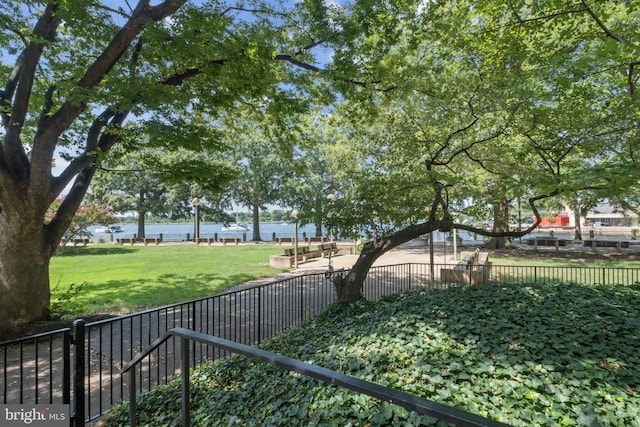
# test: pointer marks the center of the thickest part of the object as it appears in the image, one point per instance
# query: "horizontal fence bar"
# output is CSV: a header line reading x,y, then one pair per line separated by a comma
x,y
396,397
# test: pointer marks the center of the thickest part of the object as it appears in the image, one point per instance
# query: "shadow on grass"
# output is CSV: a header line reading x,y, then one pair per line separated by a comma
x,y
166,289
97,250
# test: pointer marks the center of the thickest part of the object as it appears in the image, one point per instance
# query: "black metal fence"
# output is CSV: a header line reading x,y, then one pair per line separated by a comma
x,y
81,365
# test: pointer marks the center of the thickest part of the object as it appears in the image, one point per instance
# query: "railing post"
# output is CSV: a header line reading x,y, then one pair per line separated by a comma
x,y
132,397
258,319
193,328
79,372
185,382
66,368
301,299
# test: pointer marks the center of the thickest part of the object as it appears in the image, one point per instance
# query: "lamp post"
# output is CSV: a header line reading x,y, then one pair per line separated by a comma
x,y
331,198
196,219
294,215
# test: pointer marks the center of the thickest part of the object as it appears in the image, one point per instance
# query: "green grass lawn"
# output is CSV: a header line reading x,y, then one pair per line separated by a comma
x,y
552,258
120,279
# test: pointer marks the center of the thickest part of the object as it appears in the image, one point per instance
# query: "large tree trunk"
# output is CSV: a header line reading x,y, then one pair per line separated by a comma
x,y
24,275
256,223
317,219
349,287
27,244
577,231
318,224
142,212
500,225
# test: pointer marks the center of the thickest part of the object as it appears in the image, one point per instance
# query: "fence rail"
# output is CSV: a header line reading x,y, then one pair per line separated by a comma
x,y
82,366
386,394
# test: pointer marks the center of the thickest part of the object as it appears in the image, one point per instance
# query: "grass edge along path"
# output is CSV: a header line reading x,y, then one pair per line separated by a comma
x,y
527,355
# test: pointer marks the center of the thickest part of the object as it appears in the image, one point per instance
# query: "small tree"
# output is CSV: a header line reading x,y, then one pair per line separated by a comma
x,y
88,214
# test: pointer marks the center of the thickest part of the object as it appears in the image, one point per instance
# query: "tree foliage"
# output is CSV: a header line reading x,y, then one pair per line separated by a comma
x,y
75,73
504,99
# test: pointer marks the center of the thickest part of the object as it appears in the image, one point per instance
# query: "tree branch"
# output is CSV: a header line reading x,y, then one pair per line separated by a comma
x,y
21,86
532,204
602,26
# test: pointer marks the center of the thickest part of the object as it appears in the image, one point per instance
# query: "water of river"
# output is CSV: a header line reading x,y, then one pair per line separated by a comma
x,y
268,231
178,232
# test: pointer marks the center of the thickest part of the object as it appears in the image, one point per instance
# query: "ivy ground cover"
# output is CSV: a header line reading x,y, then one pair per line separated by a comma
x,y
536,355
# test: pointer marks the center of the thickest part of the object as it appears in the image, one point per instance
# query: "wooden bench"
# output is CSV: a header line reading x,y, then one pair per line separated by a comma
x,y
320,239
123,240
304,254
327,249
323,250
226,240
77,241
156,240
618,244
281,240
207,240
547,241
474,269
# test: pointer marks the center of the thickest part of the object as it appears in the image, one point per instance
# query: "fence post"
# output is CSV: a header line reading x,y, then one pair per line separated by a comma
x,y
258,319
301,299
79,372
193,328
185,382
66,368
132,397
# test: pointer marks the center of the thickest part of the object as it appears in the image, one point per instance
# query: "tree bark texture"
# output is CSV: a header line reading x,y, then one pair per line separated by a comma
x,y
24,275
500,225
577,233
349,287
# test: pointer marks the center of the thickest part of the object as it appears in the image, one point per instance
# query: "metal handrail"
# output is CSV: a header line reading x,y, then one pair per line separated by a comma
x,y
405,400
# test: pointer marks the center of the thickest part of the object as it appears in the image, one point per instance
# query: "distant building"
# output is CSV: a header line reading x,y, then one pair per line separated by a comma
x,y
608,216
561,220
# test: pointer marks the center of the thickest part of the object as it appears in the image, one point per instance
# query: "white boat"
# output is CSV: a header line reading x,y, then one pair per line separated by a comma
x,y
109,229
238,226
